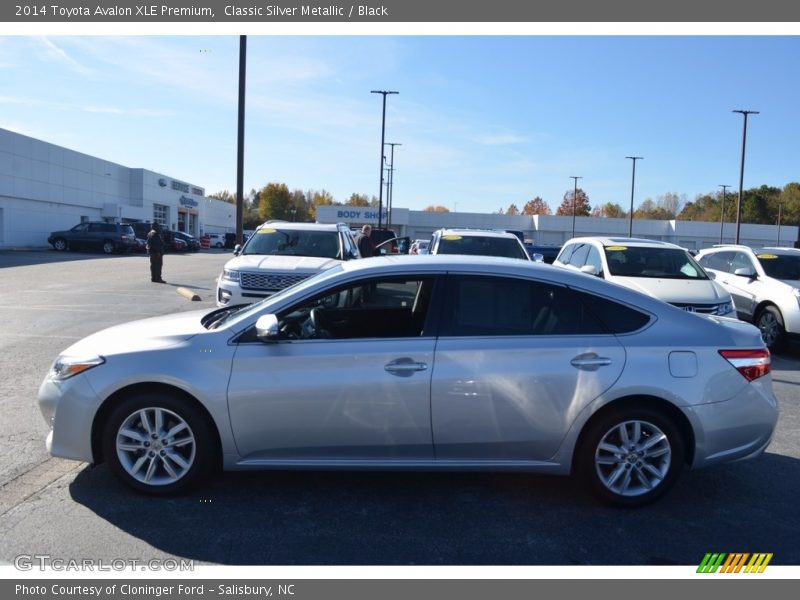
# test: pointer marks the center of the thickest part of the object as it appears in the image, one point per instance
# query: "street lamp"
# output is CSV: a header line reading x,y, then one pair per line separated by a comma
x,y
722,211
574,201
741,169
633,180
390,188
383,133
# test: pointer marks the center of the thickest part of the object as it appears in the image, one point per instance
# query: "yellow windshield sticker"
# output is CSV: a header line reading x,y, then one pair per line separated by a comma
x,y
263,231
451,238
616,248
767,256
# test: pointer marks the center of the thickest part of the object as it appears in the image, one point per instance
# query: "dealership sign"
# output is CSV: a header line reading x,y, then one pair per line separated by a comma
x,y
186,201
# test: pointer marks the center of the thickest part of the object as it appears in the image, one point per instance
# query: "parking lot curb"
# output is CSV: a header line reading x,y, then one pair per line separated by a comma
x,y
188,294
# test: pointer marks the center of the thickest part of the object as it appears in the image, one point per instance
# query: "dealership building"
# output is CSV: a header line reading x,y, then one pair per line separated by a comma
x,y
44,188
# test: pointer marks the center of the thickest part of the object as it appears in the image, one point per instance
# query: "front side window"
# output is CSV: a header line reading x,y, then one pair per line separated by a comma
x,y
718,261
742,261
394,307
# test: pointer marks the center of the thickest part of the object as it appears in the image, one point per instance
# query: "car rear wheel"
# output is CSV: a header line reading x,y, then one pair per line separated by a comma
x,y
60,244
631,457
109,247
770,323
158,444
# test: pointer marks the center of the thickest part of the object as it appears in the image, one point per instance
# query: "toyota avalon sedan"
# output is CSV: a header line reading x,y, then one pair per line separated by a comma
x,y
433,362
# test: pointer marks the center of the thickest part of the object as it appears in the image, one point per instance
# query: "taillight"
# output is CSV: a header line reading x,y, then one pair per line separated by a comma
x,y
752,364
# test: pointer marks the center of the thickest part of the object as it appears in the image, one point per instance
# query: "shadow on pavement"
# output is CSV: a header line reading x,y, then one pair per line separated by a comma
x,y
371,518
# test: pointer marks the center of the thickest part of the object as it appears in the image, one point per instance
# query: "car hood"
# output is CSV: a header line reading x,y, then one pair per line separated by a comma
x,y
677,290
146,334
271,262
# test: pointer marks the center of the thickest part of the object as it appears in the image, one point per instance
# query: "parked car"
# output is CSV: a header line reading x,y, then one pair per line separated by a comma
x,y
427,362
483,242
192,243
543,253
216,240
659,269
419,247
98,235
280,254
765,286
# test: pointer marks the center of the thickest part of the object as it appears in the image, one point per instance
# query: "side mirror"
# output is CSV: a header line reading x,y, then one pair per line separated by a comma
x,y
589,269
267,329
537,257
745,272
237,249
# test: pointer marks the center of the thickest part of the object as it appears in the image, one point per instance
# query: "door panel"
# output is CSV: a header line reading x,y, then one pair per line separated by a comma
x,y
332,399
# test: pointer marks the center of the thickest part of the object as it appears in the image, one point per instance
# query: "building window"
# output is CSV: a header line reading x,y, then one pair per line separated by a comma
x,y
84,219
161,214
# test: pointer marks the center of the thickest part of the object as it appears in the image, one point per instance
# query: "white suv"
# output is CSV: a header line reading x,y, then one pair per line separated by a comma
x,y
658,269
765,285
280,254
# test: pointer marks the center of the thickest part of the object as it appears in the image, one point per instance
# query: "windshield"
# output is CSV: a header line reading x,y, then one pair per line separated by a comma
x,y
780,266
662,263
236,314
481,246
294,242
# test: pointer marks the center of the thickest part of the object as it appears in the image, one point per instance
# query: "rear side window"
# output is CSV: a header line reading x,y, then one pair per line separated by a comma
x,y
616,318
498,306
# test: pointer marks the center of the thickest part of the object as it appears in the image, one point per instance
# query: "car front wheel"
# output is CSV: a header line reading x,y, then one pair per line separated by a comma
x,y
109,247
631,457
158,444
770,323
60,244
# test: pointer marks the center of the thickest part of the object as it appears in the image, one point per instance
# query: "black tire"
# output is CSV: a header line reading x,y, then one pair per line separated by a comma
x,y
770,322
60,244
158,464
108,247
649,467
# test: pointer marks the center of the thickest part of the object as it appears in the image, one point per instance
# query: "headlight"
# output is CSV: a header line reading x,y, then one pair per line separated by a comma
x,y
67,366
725,309
796,294
230,275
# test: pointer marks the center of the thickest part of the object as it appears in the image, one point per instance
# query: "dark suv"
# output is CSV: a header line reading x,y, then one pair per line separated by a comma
x,y
108,237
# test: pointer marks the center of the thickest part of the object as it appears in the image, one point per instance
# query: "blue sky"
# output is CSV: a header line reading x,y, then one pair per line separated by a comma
x,y
484,121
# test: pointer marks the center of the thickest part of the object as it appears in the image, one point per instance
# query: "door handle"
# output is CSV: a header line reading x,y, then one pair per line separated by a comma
x,y
590,362
405,367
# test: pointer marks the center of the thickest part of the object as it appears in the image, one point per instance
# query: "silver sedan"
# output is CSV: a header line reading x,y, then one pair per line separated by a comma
x,y
435,362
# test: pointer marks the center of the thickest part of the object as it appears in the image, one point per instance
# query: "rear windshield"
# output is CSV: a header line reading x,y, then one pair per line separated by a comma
x,y
482,246
294,242
661,263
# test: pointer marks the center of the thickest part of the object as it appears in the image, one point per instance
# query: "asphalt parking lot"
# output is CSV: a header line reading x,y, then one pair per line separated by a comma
x,y
69,510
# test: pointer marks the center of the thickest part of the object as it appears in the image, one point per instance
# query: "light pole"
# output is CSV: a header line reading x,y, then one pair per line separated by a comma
x,y
633,181
741,170
240,141
390,188
383,133
574,201
722,211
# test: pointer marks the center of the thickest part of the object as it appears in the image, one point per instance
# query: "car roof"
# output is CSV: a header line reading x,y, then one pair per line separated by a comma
x,y
477,232
780,250
297,225
624,241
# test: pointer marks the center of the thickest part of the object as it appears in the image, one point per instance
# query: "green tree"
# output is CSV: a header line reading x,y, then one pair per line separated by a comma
x,y
438,208
358,200
225,196
609,210
274,202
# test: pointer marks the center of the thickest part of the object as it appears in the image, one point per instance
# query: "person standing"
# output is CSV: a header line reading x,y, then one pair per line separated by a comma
x,y
155,248
364,242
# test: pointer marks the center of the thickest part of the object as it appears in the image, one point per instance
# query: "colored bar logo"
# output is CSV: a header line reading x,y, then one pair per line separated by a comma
x,y
734,563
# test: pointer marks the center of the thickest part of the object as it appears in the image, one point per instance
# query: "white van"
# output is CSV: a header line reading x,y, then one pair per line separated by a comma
x,y
658,269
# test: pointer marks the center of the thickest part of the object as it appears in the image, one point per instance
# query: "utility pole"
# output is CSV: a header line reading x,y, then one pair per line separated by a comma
x,y
633,181
722,211
383,133
240,142
390,188
741,169
574,201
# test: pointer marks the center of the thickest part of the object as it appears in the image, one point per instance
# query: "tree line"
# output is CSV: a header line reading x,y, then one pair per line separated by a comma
x,y
762,205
